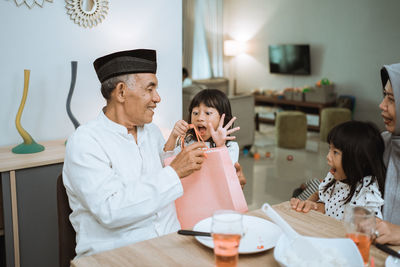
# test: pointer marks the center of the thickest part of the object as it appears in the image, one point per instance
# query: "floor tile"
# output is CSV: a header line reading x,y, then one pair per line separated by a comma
x,y
273,179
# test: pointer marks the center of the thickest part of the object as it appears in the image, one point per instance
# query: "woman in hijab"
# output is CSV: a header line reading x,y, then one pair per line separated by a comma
x,y
388,231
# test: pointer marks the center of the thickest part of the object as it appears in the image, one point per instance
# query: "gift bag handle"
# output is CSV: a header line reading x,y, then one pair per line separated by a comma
x,y
198,136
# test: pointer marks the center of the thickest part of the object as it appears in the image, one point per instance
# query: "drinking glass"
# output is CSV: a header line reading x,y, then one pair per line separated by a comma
x,y
226,229
360,227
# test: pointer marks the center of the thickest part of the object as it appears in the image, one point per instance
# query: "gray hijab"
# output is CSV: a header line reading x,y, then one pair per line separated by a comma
x,y
391,156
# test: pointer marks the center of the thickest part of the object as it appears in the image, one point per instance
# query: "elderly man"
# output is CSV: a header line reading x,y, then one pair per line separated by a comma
x,y
118,189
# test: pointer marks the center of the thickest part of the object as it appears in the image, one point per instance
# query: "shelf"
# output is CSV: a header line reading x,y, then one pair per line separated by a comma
x,y
271,121
53,153
276,101
306,107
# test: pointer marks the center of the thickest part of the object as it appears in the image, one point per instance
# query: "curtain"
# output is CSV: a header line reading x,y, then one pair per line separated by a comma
x,y
203,38
188,7
213,17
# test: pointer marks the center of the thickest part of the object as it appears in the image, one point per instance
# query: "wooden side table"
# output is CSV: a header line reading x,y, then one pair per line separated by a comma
x,y
30,204
306,107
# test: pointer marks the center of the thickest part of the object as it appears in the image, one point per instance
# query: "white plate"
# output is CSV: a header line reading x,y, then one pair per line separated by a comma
x,y
260,234
344,249
392,261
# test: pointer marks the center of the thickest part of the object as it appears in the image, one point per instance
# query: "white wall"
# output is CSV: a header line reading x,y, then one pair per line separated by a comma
x,y
350,41
45,40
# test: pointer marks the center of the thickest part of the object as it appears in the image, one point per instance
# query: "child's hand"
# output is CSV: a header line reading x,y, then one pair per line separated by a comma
x,y
303,206
240,175
221,134
180,129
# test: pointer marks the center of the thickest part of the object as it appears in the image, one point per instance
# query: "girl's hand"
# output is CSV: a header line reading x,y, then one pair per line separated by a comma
x,y
221,134
303,205
180,129
240,175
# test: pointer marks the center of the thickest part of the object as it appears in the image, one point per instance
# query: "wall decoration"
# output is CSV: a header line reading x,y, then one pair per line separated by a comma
x,y
29,145
87,13
31,3
74,68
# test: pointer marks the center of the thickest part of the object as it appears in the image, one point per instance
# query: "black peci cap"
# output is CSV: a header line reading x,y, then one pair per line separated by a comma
x,y
126,62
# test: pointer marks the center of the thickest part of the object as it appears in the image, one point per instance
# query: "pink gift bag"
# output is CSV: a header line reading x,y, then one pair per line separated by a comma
x,y
215,186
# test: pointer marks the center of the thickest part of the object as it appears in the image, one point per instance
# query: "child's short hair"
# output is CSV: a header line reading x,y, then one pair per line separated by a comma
x,y
362,149
213,98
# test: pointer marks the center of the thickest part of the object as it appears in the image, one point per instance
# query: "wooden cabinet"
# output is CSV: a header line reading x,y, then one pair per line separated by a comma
x,y
30,205
306,107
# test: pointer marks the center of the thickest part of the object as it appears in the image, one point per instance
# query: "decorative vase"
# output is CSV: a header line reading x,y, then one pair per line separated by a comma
x,y
29,145
74,68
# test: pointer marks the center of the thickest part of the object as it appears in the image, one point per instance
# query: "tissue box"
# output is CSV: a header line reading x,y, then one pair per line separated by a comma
x,y
323,94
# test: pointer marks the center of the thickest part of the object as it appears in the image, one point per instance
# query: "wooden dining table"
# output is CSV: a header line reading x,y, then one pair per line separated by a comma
x,y
178,250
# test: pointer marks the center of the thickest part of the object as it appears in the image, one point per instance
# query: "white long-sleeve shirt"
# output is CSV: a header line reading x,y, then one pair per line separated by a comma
x,y
118,190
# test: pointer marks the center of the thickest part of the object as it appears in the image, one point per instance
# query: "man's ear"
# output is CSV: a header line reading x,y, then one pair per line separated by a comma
x,y
120,92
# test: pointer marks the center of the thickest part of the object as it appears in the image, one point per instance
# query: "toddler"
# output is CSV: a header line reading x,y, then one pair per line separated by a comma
x,y
210,113
357,174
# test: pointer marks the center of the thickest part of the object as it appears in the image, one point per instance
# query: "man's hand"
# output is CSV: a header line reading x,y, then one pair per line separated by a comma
x,y
240,174
189,159
388,233
306,205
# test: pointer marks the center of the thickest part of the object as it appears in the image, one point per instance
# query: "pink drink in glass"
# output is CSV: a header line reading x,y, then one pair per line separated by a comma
x,y
226,249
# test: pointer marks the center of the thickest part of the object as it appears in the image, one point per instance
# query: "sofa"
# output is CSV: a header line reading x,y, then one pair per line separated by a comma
x,y
221,84
242,107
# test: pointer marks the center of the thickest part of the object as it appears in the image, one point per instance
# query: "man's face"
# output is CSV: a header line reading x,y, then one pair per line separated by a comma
x,y
141,99
388,108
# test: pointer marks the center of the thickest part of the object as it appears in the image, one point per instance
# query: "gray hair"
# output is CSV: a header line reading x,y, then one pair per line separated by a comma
x,y
109,85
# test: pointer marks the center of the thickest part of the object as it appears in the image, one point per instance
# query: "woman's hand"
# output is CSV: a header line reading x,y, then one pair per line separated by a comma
x,y
222,134
387,233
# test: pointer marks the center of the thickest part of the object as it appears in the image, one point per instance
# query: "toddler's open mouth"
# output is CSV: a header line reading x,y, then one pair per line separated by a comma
x,y
332,170
202,130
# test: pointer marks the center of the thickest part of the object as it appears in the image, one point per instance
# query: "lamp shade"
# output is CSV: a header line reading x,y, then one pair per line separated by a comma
x,y
234,48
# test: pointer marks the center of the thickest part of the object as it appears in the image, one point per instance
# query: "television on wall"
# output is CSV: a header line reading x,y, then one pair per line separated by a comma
x,y
290,59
